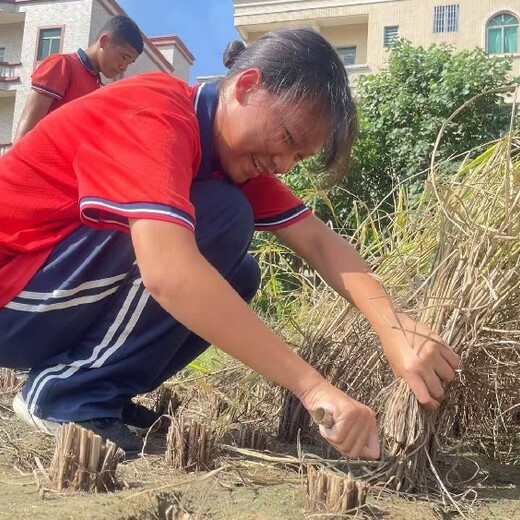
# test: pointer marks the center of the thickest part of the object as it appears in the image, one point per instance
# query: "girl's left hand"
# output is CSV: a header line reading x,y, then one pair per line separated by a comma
x,y
421,358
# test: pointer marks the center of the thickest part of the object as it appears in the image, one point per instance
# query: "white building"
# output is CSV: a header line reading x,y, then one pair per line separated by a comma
x,y
362,30
30,30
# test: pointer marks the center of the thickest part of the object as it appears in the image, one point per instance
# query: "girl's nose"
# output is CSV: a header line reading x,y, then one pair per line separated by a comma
x,y
284,163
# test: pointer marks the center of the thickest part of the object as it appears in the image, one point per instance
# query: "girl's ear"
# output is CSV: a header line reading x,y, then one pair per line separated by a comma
x,y
246,82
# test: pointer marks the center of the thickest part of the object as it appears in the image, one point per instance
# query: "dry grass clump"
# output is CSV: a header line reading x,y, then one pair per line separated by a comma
x,y
235,402
484,402
334,494
166,400
8,381
472,289
83,461
247,400
249,437
454,259
352,362
191,446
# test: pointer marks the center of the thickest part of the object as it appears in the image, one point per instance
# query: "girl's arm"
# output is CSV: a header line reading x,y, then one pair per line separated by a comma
x,y
181,280
414,352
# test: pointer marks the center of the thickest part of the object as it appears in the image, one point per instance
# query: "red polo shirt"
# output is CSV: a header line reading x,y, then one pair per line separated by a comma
x,y
65,77
128,150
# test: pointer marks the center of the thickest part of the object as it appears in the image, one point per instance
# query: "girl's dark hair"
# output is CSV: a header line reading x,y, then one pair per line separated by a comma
x,y
124,30
300,66
232,52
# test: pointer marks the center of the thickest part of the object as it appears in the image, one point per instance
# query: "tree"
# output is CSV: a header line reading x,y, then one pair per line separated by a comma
x,y
402,109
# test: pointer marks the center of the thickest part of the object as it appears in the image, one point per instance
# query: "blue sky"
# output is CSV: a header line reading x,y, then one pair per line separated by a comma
x,y
205,26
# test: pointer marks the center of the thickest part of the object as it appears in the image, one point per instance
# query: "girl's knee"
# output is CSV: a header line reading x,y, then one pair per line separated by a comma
x,y
246,279
224,217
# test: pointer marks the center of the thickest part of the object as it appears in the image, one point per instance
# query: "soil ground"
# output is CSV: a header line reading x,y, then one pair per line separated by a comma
x,y
150,490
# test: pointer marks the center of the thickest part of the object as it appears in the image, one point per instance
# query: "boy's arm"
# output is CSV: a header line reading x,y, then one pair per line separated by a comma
x,y
49,81
181,280
414,352
36,108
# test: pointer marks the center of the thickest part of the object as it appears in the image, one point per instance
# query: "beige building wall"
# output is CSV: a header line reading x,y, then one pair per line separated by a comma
x,y
362,22
11,37
176,53
6,117
68,14
354,35
181,65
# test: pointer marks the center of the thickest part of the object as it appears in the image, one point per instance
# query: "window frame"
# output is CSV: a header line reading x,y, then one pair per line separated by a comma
x,y
342,56
446,18
386,29
39,39
502,31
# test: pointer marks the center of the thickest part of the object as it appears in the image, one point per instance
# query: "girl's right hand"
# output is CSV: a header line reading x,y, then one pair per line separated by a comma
x,y
354,432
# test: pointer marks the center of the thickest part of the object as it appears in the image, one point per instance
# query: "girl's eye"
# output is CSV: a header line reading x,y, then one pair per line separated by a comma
x,y
288,137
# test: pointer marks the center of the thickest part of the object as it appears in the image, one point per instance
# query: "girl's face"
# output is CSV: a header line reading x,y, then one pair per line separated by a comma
x,y
253,135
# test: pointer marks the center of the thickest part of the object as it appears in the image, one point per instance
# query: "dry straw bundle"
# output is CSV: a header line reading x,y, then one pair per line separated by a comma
x,y
191,446
334,494
83,461
454,258
166,400
470,295
335,338
251,438
8,380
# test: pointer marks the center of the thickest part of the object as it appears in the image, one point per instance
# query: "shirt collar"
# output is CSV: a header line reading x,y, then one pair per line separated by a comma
x,y
85,61
205,105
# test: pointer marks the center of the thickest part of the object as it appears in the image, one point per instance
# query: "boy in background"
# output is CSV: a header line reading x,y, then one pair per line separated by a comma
x,y
60,78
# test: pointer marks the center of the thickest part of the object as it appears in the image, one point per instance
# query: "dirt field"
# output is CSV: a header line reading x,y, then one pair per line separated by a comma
x,y
246,491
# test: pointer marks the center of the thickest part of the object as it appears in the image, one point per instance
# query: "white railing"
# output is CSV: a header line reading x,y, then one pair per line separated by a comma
x,y
9,71
358,68
4,147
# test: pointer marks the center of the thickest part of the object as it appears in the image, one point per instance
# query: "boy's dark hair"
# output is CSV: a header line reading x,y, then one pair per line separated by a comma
x,y
124,30
300,66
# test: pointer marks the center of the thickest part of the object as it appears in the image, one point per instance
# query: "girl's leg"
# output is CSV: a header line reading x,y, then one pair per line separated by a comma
x,y
245,281
101,339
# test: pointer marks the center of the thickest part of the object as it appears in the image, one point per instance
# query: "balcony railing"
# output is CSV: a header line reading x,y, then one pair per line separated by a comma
x,y
4,147
358,68
9,71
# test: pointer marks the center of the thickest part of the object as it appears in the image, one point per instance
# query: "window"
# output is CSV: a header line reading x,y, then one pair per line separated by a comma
x,y
391,33
49,42
347,55
446,18
2,53
502,34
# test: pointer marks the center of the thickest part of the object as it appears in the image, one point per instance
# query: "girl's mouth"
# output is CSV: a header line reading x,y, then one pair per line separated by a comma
x,y
258,166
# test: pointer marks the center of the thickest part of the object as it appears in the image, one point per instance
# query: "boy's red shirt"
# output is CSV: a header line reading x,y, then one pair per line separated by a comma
x,y
129,150
65,77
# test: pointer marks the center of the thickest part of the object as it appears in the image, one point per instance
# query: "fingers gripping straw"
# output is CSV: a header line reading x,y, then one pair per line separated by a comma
x,y
325,418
